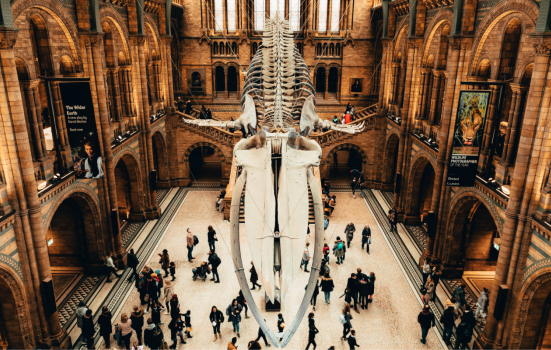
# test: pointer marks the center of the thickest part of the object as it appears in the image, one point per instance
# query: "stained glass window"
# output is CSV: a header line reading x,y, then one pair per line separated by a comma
x,y
218,15
275,5
232,15
322,18
294,15
259,14
335,15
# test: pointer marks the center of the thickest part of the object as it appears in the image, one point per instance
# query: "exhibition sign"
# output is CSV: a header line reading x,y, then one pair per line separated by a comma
x,y
467,137
81,127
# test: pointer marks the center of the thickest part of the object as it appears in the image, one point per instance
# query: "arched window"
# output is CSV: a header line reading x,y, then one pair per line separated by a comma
x,y
234,48
338,50
320,80
332,50
222,46
22,72
215,48
218,15
232,15
294,15
41,46
259,14
335,15
232,78
228,49
322,16
333,80
325,50
509,49
255,47
220,79
318,49
277,5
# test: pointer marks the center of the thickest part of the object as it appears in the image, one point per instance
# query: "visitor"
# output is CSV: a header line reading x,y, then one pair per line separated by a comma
x,y
315,295
176,327
392,219
216,318
448,322
231,345
80,312
219,201
451,302
327,287
188,326
125,326
429,296
306,257
190,242
151,290
173,270
468,315
312,331
214,262
348,108
426,270
211,237
371,291
335,119
160,283
136,319
353,186
436,275
132,262
168,292
254,277
325,254
459,294
235,315
165,261
241,300
343,120
156,313
352,340
263,336
339,249
349,232
152,335
482,304
366,237
345,320
111,269
464,334
332,203
179,105
347,118
426,321
188,107
105,327
280,323
352,285
88,329
174,307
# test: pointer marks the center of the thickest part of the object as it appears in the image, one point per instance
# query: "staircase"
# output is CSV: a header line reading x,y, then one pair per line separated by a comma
x,y
310,207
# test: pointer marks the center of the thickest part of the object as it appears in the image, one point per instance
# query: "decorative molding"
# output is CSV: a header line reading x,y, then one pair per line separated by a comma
x,y
218,151
204,37
92,42
137,40
15,265
542,49
348,40
7,44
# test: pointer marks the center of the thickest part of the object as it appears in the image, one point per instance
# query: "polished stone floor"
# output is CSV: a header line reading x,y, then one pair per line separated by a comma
x,y
390,322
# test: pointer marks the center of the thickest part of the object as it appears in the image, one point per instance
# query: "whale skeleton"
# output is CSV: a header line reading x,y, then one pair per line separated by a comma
x,y
277,162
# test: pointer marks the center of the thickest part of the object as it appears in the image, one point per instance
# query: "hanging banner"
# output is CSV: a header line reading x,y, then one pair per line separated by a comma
x,y
467,137
82,131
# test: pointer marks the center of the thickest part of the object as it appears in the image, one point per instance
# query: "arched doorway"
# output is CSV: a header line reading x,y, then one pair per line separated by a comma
x,y
232,82
205,165
160,159
391,160
220,79
475,239
343,160
73,236
421,185
129,190
320,80
333,81
41,46
14,318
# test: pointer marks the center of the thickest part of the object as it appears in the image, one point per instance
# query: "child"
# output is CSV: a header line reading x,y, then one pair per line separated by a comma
x,y
326,251
187,318
173,270
156,315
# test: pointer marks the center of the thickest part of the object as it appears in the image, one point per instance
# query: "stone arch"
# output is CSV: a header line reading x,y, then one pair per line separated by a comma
x,y
217,150
88,204
23,331
390,161
484,68
60,15
106,12
465,200
150,24
444,17
23,72
130,175
66,65
397,45
161,156
493,17
420,162
526,73
344,146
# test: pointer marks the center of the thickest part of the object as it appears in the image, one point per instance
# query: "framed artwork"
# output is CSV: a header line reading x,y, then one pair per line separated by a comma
x,y
356,85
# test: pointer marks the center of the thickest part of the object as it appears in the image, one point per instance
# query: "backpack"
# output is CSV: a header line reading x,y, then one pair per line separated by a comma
x,y
340,246
216,261
342,319
195,240
157,336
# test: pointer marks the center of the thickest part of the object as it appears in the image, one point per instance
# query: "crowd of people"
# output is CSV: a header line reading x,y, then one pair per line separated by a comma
x,y
187,108
347,117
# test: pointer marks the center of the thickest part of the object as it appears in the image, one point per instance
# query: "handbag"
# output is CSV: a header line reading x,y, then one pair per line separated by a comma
x,y
423,290
146,298
368,240
164,346
342,319
190,329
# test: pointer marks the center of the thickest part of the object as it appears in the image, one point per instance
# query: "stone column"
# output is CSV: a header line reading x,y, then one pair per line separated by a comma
x,y
30,90
437,80
59,115
326,83
401,84
117,94
382,102
489,130
393,92
511,149
94,43
422,93
170,84
509,124
226,92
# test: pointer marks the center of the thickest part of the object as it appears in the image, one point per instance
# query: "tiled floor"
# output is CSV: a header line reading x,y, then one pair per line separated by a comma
x,y
390,322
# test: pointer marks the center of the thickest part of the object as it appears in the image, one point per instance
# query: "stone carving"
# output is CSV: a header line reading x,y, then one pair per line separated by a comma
x,y
542,49
7,44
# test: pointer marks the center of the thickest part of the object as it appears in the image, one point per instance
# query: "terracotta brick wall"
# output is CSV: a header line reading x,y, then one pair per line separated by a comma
x,y
9,324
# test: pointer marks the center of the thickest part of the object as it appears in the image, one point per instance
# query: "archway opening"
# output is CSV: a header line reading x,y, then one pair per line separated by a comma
x,y
129,194
422,185
205,165
232,82
391,160
333,81
539,314
509,49
41,47
220,79
320,80
10,330
159,157
343,161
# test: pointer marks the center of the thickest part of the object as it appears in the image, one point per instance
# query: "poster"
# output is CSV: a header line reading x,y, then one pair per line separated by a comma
x,y
82,131
467,137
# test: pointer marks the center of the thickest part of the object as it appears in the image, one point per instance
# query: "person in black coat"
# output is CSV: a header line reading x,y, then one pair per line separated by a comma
x,y
464,334
151,290
187,323
88,328
352,285
149,338
254,277
315,295
218,317
133,264
176,327
448,321
137,323
280,323
426,320
366,237
352,340
312,331
262,335
188,107
105,328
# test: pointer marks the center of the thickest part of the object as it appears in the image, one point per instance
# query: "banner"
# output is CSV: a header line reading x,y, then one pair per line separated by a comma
x,y
82,131
467,137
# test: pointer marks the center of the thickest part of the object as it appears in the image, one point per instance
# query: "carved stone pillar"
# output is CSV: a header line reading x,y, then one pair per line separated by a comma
x,y
435,96
488,131
509,124
170,83
30,100
226,93
326,84
393,91
424,77
513,136
59,115
116,93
